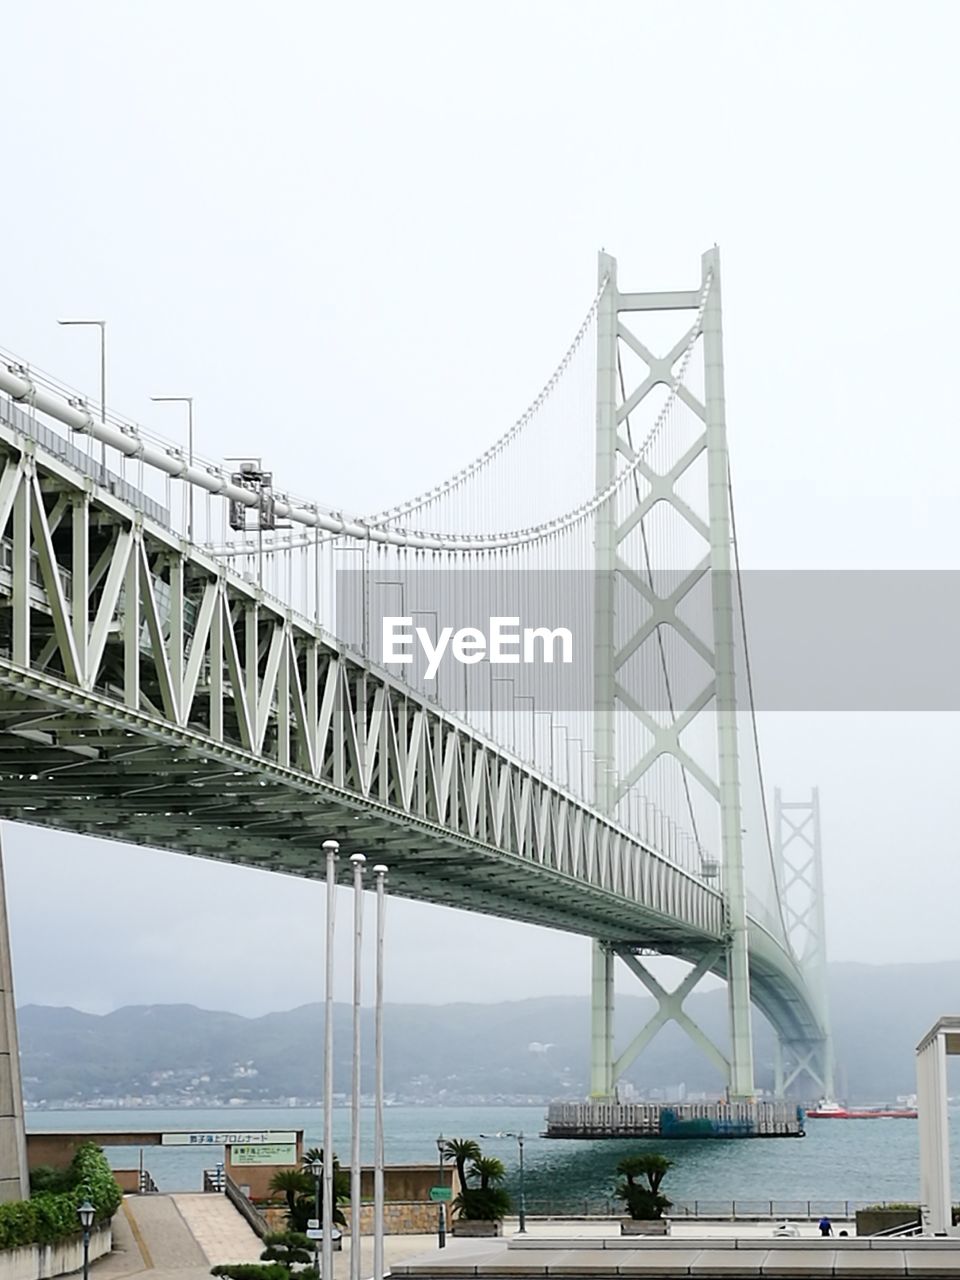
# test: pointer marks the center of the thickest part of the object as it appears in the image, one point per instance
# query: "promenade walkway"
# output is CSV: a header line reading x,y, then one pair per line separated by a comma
x,y
180,1237
712,1256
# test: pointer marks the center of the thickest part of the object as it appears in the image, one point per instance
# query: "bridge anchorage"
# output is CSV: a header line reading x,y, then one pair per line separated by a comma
x,y
223,695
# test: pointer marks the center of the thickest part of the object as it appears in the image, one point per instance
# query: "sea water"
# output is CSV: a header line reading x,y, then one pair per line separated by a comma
x,y
838,1160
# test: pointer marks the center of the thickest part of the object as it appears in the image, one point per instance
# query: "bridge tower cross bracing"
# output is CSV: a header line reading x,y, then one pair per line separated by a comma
x,y
614,405
798,860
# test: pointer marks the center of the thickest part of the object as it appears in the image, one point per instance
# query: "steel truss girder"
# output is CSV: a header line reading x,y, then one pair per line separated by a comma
x,y
159,641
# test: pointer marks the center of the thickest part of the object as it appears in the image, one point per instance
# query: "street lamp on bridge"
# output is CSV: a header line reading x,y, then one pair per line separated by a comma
x,y
102,326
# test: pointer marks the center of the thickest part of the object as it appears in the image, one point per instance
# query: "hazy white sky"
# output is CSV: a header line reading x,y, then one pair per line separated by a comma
x,y
360,237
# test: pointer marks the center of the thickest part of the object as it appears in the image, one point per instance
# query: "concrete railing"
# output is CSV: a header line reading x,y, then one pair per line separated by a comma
x,y
42,1261
240,1202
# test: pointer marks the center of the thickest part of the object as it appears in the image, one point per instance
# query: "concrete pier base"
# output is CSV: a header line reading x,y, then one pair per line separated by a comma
x,y
679,1120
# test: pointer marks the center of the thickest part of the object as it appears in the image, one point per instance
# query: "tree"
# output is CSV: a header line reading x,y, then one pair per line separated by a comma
x,y
489,1170
300,1190
287,1248
643,1198
487,1202
459,1151
292,1184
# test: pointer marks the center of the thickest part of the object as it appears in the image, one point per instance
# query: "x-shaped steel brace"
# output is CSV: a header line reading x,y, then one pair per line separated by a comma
x,y
670,1009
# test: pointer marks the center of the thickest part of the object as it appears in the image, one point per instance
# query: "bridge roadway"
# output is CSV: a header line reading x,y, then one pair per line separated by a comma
x,y
149,694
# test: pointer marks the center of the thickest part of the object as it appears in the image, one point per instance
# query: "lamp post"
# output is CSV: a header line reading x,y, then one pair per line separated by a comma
x,y
380,872
102,326
188,401
86,1213
316,1168
441,1215
522,1207
331,848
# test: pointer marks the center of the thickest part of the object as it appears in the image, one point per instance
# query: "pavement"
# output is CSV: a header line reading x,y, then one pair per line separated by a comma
x,y
180,1237
176,1238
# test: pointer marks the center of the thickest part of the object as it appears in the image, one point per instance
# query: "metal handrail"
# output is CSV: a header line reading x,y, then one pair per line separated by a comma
x,y
902,1229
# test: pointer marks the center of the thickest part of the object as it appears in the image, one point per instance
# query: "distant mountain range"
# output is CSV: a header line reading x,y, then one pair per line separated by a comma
x,y
525,1050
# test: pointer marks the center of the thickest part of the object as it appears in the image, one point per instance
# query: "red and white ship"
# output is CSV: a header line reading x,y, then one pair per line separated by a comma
x,y
825,1110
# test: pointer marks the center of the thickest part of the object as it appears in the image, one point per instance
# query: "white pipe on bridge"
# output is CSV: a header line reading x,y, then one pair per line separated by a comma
x,y
131,445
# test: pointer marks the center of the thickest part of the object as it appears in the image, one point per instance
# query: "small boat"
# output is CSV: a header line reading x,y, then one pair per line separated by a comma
x,y
826,1110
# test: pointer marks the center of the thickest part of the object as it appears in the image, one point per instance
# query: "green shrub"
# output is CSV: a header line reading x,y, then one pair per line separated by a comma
x,y
50,1215
482,1204
46,1178
94,1178
252,1271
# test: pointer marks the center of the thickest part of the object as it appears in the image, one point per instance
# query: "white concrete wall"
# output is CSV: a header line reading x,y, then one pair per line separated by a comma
x,y
42,1261
935,1198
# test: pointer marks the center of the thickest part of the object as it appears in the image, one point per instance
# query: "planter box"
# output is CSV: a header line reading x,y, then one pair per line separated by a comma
x,y
644,1226
476,1227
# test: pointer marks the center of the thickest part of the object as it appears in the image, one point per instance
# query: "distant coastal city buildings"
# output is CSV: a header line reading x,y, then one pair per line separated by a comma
x,y
516,1053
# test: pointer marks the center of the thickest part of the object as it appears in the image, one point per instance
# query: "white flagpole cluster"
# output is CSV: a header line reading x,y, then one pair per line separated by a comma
x,y
358,861
331,848
380,872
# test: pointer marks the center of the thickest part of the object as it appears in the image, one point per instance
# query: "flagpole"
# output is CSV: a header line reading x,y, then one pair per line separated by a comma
x,y
331,848
380,872
357,860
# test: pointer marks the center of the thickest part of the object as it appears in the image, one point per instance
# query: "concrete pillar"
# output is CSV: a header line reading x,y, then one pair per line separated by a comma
x,y
601,1040
14,1179
778,1085
942,1039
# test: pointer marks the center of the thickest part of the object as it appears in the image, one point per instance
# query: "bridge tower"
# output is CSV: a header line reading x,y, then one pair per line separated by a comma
x,y
617,575
14,1179
798,861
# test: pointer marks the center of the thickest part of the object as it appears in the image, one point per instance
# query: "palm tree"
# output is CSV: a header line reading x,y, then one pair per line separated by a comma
x,y
292,1183
489,1170
651,1165
459,1151
643,1199
341,1188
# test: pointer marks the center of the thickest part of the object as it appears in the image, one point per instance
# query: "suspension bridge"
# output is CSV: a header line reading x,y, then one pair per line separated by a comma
x,y
192,658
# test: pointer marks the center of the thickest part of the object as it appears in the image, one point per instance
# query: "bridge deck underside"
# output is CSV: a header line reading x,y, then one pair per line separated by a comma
x,y
65,768
137,785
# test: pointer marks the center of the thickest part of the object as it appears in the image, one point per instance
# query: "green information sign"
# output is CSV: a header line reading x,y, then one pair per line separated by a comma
x,y
441,1193
281,1153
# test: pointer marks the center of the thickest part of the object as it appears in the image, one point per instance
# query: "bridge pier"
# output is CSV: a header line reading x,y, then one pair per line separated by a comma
x,y
602,1081
605,1069
14,1178
813,1059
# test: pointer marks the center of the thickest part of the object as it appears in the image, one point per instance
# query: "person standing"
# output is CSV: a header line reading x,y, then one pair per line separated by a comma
x,y
826,1226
